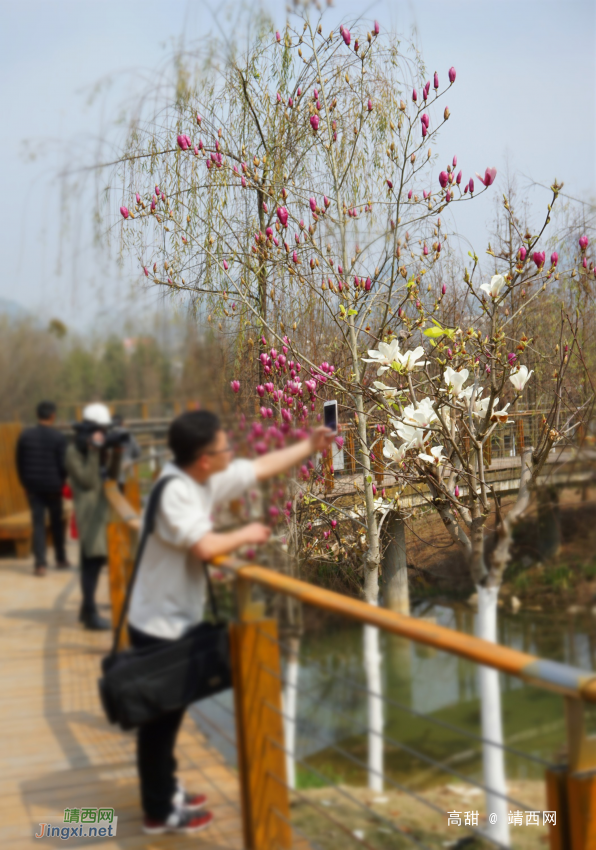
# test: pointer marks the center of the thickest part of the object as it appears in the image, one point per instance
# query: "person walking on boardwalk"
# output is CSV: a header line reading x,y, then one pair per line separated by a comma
x,y
40,458
89,461
168,595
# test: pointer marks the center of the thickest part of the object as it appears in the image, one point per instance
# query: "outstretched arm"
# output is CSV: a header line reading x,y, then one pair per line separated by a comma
x,y
214,543
275,463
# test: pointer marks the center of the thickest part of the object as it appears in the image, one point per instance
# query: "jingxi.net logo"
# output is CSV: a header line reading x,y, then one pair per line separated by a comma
x,y
81,823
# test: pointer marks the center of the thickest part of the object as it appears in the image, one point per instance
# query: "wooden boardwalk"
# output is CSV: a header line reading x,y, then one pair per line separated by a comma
x,y
56,749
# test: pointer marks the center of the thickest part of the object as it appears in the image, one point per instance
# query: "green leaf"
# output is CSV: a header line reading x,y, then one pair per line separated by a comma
x,y
352,312
434,333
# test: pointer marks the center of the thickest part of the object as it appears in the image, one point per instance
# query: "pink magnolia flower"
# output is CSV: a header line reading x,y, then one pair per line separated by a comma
x,y
183,142
146,271
313,204
235,386
583,242
278,97
452,74
443,179
269,232
425,119
138,197
489,176
456,492
424,131
522,254
124,212
199,118
443,289
458,178
260,390
277,35
471,184
368,284
539,258
436,81
414,95
243,182
376,28
295,256
326,200
225,265
554,258
390,184
410,193
345,34
369,105
448,197
282,214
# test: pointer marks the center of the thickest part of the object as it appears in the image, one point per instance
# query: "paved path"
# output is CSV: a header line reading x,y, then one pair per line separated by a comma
x,y
56,749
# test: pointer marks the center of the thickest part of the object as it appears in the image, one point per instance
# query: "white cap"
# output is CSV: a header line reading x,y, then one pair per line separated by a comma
x,y
97,413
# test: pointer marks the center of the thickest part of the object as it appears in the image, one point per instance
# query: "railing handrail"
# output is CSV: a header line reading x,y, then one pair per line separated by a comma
x,y
550,675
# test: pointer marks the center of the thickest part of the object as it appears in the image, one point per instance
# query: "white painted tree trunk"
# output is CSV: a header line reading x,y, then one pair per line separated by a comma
x,y
290,700
372,666
492,729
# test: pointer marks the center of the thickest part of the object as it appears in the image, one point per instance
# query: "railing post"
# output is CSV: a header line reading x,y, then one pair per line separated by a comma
x,y
259,726
571,791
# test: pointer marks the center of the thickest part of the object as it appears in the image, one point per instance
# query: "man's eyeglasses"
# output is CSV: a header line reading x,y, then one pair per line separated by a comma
x,y
219,451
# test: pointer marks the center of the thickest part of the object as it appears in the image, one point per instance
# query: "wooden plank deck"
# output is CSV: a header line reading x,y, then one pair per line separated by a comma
x,y
56,749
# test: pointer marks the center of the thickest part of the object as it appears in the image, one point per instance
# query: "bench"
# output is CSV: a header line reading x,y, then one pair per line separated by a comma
x,y
15,520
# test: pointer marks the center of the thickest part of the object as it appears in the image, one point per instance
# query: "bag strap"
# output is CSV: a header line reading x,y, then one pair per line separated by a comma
x,y
148,528
212,599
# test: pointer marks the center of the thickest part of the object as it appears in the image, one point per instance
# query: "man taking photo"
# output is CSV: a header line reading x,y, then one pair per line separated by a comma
x,y
168,596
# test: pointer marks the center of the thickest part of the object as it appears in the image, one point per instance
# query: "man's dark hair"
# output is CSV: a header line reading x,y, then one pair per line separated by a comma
x,y
45,410
190,433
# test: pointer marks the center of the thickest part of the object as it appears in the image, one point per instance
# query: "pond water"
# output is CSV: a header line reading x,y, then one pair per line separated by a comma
x,y
432,712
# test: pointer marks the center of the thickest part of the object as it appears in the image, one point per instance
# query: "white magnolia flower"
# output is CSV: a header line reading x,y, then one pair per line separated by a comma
x,y
423,415
409,359
436,455
384,356
381,505
520,377
455,380
500,415
392,452
497,282
412,436
388,392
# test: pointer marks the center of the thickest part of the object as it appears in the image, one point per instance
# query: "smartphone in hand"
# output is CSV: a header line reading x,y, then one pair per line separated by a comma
x,y
330,415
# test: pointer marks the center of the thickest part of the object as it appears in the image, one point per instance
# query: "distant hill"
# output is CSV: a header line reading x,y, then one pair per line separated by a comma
x,y
12,309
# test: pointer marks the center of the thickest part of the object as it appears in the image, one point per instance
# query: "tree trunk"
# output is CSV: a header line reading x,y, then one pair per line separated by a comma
x,y
492,730
549,523
372,666
290,700
395,570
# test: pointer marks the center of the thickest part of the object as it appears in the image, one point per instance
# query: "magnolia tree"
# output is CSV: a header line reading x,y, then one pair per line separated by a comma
x,y
298,178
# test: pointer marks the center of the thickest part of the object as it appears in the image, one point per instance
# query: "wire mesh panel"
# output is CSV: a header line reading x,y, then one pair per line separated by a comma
x,y
431,788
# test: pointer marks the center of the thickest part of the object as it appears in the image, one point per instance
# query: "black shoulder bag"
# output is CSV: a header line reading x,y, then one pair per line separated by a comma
x,y
139,685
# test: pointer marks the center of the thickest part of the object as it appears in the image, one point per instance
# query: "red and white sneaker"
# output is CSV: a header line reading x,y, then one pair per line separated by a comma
x,y
184,799
181,821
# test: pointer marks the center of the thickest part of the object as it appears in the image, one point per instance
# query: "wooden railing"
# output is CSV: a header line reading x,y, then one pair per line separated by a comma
x,y
571,790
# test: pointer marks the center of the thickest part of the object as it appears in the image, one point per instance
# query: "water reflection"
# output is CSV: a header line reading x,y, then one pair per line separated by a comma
x,y
418,681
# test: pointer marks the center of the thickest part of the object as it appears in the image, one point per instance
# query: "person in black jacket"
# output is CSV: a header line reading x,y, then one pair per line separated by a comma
x,y
42,472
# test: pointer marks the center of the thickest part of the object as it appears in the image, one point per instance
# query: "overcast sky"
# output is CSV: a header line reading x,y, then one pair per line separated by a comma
x,y
524,98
